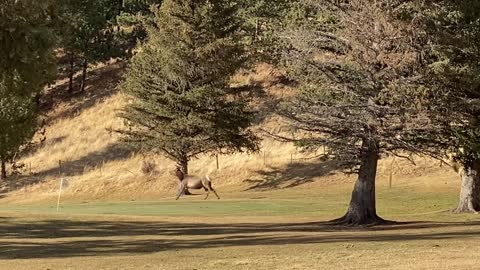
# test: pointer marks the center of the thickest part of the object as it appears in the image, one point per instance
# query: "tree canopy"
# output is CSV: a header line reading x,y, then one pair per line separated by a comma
x,y
363,90
455,30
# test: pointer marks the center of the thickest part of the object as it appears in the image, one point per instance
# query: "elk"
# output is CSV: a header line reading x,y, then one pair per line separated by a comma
x,y
193,182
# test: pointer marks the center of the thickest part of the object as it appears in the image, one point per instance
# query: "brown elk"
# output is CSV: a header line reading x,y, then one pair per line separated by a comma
x,y
193,182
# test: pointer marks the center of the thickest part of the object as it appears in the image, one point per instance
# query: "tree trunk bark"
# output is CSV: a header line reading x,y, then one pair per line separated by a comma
x,y
469,201
120,9
184,167
3,175
255,35
71,73
84,74
362,209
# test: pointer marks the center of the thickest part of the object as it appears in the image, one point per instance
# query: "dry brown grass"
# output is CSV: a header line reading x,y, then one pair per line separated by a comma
x,y
96,164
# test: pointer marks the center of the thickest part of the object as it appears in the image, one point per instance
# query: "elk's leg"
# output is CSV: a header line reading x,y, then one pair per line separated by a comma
x,y
214,192
181,190
208,193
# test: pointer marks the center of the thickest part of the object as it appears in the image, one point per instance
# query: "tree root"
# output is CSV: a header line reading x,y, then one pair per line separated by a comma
x,y
353,220
465,210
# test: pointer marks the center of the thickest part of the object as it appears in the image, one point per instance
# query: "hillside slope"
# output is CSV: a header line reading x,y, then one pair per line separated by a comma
x,y
81,148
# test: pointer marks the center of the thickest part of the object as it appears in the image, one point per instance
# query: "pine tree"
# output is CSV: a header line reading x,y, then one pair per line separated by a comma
x,y
133,15
261,20
27,64
182,105
18,121
26,42
87,33
455,26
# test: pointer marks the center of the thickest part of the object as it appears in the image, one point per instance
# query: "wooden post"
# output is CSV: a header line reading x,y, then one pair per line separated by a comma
x,y
59,193
264,158
255,37
390,177
291,158
216,157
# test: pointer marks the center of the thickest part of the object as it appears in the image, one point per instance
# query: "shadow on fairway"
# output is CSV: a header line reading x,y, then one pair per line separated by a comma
x,y
62,238
294,174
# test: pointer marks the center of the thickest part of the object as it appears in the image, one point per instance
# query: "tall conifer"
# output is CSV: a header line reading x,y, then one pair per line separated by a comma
x,y
26,65
181,104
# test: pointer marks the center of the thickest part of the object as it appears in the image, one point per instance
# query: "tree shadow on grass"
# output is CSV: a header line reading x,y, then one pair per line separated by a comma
x,y
104,80
294,174
112,152
66,238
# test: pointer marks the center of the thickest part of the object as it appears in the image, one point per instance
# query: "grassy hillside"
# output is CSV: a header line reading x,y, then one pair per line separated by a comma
x,y
81,148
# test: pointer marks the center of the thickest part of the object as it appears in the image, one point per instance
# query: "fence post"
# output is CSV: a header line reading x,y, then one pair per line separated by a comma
x,y
390,177
59,193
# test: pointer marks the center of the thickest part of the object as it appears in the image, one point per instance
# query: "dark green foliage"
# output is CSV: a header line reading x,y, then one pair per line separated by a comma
x,y
27,64
26,45
456,51
134,14
262,19
179,84
86,28
17,121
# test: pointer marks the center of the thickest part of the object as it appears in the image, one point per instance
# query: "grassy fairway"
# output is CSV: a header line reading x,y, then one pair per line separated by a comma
x,y
253,230
323,204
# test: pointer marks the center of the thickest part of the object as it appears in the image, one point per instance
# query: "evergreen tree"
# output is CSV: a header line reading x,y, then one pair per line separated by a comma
x,y
455,28
261,20
26,42
363,90
27,64
18,122
133,16
182,105
87,33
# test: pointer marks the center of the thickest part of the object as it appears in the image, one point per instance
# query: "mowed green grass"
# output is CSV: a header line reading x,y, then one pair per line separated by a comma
x,y
394,202
280,229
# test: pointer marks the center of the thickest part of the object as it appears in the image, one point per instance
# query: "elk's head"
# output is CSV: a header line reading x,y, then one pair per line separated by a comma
x,y
179,173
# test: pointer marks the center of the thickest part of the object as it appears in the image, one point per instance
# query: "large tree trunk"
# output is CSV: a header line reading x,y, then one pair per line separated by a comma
x,y
84,74
362,209
469,201
71,73
3,174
